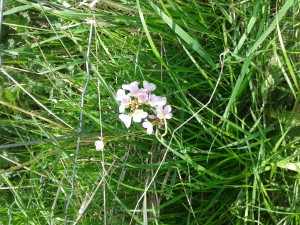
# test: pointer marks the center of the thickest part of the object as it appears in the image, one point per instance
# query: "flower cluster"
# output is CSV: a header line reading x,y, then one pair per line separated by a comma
x,y
142,106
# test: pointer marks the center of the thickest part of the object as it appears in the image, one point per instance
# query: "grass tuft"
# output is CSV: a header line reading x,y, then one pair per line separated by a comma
x,y
230,72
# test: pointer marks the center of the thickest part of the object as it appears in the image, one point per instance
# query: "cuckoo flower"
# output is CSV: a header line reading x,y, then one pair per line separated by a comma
x,y
142,97
125,102
164,113
148,86
141,106
133,88
157,100
99,145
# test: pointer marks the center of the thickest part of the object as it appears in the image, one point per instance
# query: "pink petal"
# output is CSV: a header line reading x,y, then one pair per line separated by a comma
x,y
134,88
168,108
168,115
159,110
149,86
143,97
125,100
151,117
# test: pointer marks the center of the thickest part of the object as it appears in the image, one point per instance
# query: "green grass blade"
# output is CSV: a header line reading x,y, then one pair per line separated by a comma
x,y
279,16
194,44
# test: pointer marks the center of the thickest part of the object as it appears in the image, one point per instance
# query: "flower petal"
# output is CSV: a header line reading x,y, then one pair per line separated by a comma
x,y
168,108
125,100
121,108
138,115
120,94
125,119
126,86
148,126
134,88
149,86
168,115
164,112
142,97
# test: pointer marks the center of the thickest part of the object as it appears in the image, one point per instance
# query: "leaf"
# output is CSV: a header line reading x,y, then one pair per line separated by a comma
x,y
17,9
290,166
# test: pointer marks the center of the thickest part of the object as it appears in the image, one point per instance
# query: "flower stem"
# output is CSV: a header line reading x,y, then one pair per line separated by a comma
x,y
166,128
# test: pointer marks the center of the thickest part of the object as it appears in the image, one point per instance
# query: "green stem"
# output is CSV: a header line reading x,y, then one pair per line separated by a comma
x,y
166,128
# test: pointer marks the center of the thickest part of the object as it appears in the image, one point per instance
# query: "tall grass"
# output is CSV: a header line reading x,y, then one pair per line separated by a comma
x,y
229,70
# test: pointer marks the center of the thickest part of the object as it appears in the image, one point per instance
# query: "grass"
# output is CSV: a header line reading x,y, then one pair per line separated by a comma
x,y
229,70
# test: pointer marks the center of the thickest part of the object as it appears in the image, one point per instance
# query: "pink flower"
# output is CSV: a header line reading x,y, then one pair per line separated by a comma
x,y
142,97
164,113
126,119
157,100
133,88
133,98
138,115
148,86
124,99
148,126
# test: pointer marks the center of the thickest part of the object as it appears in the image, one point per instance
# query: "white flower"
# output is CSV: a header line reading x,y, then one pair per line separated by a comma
x,y
122,108
164,113
148,126
126,86
125,119
120,94
138,115
149,86
99,145
124,99
157,100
